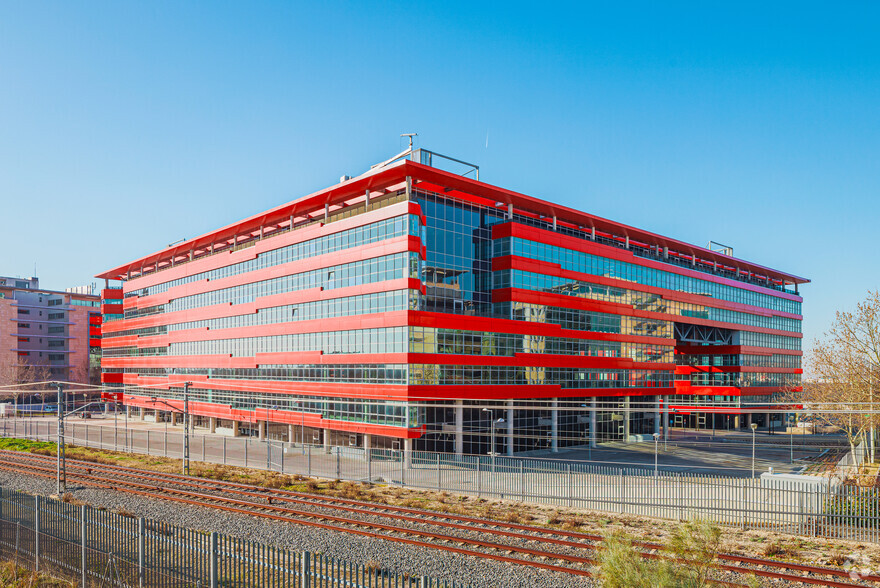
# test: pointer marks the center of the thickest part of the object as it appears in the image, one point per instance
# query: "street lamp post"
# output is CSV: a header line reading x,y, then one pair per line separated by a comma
x,y
125,444
268,443
754,428
590,438
491,416
656,446
115,425
302,424
494,423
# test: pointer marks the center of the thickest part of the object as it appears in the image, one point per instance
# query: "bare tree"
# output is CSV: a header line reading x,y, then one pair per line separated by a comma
x,y
846,368
20,374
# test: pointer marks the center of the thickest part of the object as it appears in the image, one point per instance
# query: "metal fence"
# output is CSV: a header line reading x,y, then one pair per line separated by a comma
x,y
809,505
100,548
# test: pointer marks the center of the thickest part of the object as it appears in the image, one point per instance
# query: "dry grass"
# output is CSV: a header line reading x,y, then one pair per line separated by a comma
x,y
14,576
773,549
125,513
554,518
573,523
71,499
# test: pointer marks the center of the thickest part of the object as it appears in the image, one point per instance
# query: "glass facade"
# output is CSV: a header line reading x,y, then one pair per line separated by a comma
x,y
483,315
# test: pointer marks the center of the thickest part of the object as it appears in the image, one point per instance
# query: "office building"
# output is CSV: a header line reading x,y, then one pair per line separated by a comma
x,y
416,306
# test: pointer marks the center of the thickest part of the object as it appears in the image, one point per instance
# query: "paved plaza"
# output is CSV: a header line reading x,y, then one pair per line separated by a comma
x,y
725,453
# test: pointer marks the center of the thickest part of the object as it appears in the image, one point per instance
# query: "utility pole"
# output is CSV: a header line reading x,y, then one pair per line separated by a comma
x,y
186,428
61,473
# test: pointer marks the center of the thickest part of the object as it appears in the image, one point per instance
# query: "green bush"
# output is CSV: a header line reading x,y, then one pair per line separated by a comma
x,y
855,511
25,445
691,553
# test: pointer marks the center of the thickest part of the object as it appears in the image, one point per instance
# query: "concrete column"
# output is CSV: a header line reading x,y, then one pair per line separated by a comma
x,y
554,425
407,453
627,413
173,419
509,427
368,442
291,434
236,431
593,432
326,439
326,213
459,427
769,416
212,424
261,427
749,421
142,412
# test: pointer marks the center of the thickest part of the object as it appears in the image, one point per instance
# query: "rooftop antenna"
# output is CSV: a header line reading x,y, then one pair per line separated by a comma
x,y
410,137
404,153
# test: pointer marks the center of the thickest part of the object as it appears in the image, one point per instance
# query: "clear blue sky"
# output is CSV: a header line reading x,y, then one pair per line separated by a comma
x,y
126,126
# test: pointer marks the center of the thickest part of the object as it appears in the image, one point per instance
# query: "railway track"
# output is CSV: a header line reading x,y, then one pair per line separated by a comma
x,y
429,529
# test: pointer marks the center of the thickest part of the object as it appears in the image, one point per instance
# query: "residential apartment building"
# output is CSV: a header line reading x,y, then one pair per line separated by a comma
x,y
47,334
416,306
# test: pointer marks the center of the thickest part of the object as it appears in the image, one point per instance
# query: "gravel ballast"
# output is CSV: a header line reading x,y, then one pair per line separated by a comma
x,y
397,557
